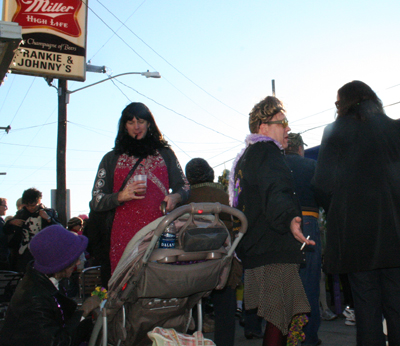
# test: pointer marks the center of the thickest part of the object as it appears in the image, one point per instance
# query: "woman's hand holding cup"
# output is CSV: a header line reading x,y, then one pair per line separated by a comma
x,y
135,190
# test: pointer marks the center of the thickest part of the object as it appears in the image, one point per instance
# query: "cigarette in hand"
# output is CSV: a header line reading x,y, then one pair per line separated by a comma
x,y
304,244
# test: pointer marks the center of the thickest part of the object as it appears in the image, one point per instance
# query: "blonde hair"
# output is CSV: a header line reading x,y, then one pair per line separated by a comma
x,y
263,112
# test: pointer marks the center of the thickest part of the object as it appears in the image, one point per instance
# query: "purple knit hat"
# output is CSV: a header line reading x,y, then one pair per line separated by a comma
x,y
56,248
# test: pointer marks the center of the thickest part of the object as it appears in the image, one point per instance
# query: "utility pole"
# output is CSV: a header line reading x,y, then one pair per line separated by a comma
x,y
61,195
7,129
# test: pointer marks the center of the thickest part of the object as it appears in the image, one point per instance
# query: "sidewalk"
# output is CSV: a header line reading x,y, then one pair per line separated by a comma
x,y
332,333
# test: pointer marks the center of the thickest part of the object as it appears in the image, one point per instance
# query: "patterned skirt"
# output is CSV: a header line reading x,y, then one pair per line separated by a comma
x,y
276,290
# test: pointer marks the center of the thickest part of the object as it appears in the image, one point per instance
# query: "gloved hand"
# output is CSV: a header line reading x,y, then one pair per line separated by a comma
x,y
90,304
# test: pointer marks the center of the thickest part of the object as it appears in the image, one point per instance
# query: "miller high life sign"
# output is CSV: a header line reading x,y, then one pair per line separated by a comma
x,y
54,37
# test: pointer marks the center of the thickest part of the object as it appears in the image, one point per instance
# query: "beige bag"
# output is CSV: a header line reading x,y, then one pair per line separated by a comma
x,y
169,337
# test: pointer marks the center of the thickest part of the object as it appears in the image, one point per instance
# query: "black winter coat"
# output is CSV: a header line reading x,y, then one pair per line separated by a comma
x,y
267,198
357,181
39,314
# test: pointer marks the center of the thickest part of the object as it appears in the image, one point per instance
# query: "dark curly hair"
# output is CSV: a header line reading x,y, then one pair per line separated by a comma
x,y
125,144
31,195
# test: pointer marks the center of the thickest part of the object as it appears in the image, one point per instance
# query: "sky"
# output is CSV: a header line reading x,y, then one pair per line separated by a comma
x,y
217,59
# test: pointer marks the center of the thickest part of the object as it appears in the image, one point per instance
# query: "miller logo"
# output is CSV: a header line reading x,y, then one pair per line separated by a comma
x,y
59,16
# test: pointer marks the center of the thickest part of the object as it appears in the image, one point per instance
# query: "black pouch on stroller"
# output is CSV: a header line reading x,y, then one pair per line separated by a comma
x,y
202,234
206,239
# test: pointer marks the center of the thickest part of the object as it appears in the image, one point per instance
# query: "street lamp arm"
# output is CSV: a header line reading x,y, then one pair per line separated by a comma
x,y
147,74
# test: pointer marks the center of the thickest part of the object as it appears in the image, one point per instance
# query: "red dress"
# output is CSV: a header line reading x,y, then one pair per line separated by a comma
x,y
132,216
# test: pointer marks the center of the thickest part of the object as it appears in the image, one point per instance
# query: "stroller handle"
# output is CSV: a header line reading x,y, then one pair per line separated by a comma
x,y
198,209
201,209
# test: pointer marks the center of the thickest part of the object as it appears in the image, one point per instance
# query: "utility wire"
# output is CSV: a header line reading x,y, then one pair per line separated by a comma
x,y
178,147
50,148
166,79
224,162
6,97
22,101
11,186
20,154
391,104
226,151
181,73
151,65
131,101
171,110
32,127
137,8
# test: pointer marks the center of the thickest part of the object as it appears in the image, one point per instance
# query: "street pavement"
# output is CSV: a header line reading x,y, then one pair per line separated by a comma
x,y
331,333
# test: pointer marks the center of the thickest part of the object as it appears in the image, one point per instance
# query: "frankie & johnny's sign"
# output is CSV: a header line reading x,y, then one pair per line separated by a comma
x,y
54,37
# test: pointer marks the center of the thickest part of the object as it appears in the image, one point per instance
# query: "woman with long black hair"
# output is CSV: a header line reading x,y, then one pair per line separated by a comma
x,y
139,143
357,181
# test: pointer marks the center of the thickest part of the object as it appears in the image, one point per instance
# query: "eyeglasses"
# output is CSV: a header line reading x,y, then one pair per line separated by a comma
x,y
5,207
284,122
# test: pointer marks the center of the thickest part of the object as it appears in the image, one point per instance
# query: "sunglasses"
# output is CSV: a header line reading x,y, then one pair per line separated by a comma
x,y
284,122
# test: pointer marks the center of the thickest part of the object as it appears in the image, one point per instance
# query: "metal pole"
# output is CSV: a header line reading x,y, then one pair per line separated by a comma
x,y
61,195
273,87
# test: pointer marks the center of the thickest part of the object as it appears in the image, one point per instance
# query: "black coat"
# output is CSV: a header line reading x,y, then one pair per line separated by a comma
x,y
266,196
39,314
303,170
357,181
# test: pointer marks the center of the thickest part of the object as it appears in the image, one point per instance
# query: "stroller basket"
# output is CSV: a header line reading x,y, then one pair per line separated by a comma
x,y
154,286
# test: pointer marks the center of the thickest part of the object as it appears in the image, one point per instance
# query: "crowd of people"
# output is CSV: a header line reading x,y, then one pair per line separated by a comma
x,y
355,181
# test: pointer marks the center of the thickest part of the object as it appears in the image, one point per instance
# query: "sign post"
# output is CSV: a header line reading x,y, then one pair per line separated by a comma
x,y
53,46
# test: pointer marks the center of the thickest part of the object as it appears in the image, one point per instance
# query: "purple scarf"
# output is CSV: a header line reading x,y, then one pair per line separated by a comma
x,y
250,139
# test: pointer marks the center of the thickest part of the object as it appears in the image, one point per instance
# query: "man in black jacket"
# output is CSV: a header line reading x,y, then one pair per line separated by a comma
x,y
303,171
28,221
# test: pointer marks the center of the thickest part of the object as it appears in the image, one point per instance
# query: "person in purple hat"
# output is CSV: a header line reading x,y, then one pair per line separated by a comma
x,y
39,313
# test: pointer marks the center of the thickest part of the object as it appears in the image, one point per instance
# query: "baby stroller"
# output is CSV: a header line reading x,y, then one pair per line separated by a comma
x,y
154,286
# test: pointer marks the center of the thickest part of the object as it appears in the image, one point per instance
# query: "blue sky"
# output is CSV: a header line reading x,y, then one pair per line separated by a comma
x,y
217,59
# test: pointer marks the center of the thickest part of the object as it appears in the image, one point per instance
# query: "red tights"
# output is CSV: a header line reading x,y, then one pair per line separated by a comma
x,y
273,336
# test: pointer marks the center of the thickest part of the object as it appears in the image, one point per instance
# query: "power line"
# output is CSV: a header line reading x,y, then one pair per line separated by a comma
x,y
11,186
391,104
181,73
50,148
8,91
171,110
178,147
137,8
153,67
32,127
22,101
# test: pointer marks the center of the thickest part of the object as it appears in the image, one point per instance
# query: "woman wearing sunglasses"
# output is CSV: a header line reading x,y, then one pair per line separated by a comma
x,y
261,185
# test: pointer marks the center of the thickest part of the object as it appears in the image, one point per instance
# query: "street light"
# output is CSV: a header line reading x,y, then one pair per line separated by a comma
x,y
146,74
63,100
